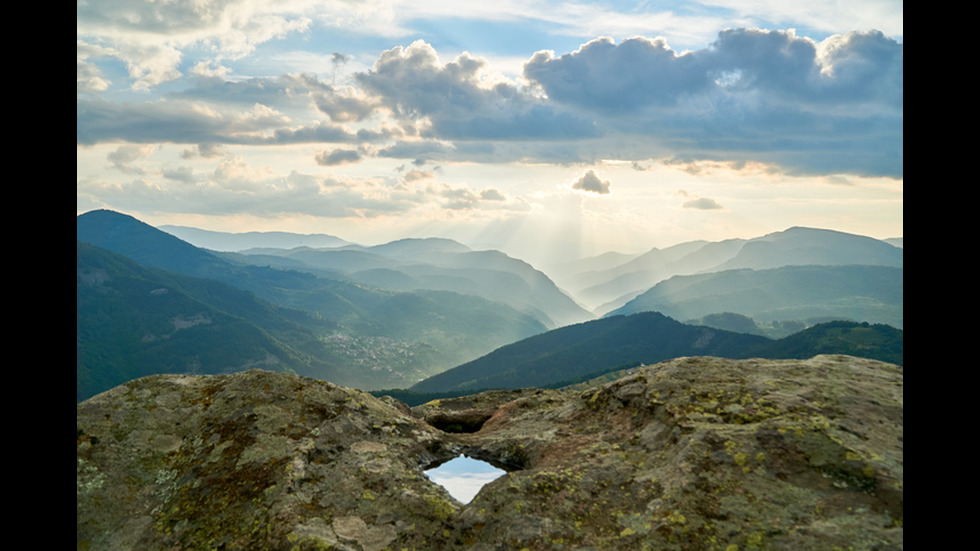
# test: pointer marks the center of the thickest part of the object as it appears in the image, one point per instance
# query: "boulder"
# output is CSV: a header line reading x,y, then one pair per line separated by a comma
x,y
692,453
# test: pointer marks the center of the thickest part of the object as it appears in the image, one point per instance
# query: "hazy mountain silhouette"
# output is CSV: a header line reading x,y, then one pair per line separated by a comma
x,y
801,246
232,242
607,289
391,315
436,265
383,338
852,292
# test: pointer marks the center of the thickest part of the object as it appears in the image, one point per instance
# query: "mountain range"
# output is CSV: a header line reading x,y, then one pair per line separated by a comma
x,y
423,311
340,331
608,282
577,352
436,265
225,241
801,292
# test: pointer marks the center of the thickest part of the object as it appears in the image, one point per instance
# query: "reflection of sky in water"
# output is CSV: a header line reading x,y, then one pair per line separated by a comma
x,y
464,477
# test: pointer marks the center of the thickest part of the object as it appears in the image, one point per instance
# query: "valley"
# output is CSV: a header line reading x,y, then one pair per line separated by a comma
x,y
414,312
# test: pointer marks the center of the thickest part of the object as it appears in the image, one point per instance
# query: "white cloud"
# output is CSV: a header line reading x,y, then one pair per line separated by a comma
x,y
457,102
149,36
89,78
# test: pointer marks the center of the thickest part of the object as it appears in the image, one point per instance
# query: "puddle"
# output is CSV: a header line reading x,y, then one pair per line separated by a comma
x,y
463,477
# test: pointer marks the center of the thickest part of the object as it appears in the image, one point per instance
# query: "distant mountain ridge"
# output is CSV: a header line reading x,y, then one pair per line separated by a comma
x,y
575,350
610,288
625,341
433,314
382,338
233,242
799,246
134,321
852,292
434,264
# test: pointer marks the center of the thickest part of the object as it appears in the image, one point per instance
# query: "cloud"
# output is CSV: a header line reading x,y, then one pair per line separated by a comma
x,y
591,183
603,77
642,73
829,107
345,105
204,150
186,121
89,78
414,175
702,203
149,37
492,195
768,96
234,185
462,198
123,157
458,100
337,157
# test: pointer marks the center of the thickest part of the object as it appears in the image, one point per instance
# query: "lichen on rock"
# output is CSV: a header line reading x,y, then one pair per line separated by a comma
x,y
693,453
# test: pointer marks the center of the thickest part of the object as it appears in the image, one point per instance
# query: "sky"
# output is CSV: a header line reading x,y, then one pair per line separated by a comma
x,y
463,477
550,130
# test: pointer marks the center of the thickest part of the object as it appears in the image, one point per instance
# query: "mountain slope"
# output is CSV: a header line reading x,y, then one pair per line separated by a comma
x,y
576,350
861,293
607,348
437,265
380,338
802,246
608,289
864,340
134,321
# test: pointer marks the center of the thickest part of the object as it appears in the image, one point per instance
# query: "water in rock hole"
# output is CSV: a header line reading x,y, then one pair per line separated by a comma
x,y
463,476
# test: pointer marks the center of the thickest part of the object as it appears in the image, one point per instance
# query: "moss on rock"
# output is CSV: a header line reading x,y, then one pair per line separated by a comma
x,y
694,453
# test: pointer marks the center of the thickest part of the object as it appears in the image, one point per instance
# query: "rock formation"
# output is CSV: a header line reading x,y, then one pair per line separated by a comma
x,y
693,453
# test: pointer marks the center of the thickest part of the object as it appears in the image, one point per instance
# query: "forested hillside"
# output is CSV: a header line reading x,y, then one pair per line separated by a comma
x,y
358,336
576,353
133,321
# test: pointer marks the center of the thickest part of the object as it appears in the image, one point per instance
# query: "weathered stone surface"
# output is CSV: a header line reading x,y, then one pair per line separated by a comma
x,y
695,453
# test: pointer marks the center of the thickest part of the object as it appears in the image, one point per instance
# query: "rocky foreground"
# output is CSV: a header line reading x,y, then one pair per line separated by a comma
x,y
693,453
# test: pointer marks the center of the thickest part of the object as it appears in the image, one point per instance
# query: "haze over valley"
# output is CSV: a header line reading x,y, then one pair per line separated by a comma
x,y
396,315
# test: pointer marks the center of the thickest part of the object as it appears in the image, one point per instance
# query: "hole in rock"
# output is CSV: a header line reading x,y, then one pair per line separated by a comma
x,y
464,476
460,422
